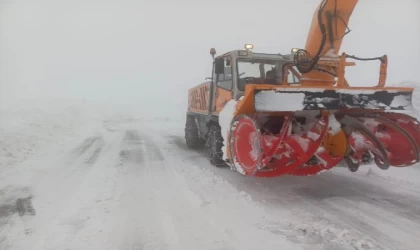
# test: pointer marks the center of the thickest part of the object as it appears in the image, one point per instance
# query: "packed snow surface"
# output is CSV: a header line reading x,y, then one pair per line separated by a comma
x,y
79,177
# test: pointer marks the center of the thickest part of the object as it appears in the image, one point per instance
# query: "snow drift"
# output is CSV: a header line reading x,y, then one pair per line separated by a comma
x,y
28,126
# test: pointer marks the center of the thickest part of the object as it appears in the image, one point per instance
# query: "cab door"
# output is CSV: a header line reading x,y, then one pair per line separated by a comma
x,y
223,83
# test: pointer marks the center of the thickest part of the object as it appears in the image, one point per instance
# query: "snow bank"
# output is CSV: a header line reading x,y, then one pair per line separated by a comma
x,y
28,126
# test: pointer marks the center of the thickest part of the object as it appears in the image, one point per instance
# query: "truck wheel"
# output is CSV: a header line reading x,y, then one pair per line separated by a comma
x,y
214,146
192,138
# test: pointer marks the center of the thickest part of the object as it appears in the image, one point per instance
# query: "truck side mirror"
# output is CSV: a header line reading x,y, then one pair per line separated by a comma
x,y
219,65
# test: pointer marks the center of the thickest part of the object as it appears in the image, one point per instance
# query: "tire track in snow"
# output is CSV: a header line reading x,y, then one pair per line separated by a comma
x,y
134,223
184,225
144,211
87,143
148,209
79,224
230,210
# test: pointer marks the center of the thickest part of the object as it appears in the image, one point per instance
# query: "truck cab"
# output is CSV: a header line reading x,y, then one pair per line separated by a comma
x,y
232,71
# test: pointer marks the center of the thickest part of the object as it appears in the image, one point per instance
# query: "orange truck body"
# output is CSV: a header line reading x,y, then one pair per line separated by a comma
x,y
198,98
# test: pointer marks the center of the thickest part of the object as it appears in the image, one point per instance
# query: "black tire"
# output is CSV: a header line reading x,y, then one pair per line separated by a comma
x,y
214,146
192,137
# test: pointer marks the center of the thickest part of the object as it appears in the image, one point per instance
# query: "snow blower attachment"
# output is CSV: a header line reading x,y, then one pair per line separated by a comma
x,y
268,115
308,142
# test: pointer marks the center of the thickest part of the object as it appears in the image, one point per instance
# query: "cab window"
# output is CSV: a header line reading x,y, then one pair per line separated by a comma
x,y
291,77
225,80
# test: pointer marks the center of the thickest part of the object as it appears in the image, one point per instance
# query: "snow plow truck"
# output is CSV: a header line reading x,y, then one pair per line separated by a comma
x,y
267,115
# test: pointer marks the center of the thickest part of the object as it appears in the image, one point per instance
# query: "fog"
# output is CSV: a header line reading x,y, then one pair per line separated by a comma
x,y
149,53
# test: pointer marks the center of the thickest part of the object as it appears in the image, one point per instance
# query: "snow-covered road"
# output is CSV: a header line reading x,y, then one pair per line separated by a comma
x,y
132,184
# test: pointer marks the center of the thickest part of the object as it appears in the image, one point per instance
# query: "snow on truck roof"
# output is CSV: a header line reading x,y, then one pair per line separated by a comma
x,y
247,54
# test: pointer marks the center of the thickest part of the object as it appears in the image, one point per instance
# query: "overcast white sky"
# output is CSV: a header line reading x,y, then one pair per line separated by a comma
x,y
111,50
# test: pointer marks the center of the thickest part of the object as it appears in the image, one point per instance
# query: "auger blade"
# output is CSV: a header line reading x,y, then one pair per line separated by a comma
x,y
362,141
392,144
407,123
309,142
269,149
297,149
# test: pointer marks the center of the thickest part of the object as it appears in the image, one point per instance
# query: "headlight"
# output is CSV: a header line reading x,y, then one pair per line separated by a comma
x,y
249,46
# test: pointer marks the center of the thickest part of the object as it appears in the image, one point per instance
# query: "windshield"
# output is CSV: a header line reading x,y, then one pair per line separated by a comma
x,y
292,78
257,71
